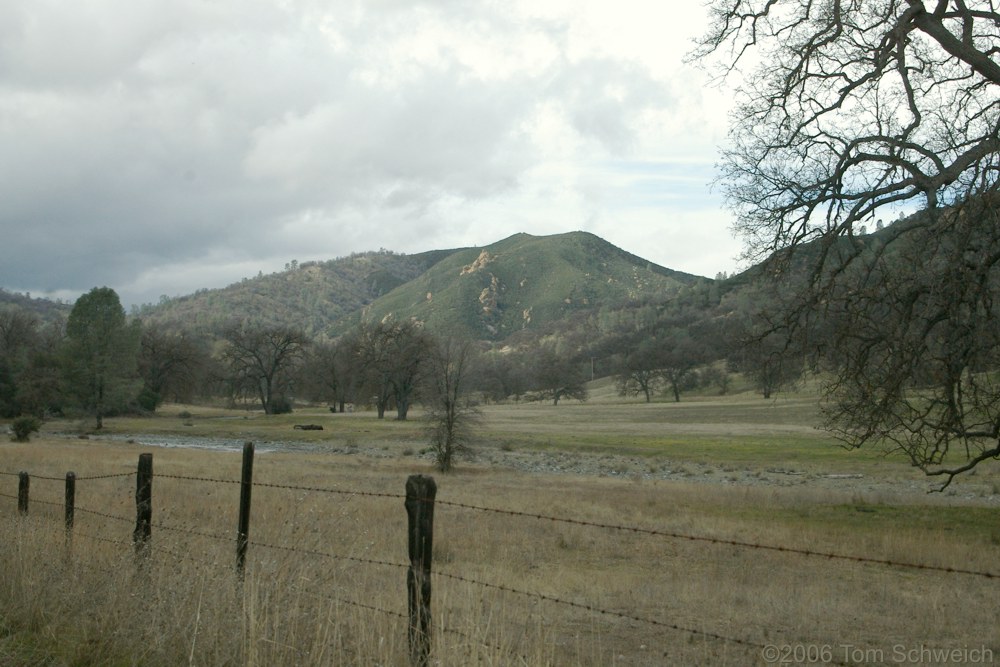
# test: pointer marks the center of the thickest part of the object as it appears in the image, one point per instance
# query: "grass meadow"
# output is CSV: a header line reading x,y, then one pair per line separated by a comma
x,y
326,571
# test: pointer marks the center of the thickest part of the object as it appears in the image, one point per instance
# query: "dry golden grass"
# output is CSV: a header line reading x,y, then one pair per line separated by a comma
x,y
325,580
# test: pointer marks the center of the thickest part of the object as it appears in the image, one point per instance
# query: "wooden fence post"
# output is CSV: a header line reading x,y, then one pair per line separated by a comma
x,y
420,492
143,505
23,482
246,489
70,509
70,500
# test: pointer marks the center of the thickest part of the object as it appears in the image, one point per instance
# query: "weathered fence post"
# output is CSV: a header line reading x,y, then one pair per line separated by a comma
x,y
23,482
70,509
70,500
143,505
420,492
246,489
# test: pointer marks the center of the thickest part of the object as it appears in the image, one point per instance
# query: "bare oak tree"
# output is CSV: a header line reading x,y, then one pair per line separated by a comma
x,y
452,416
853,111
391,355
260,361
170,364
855,105
558,375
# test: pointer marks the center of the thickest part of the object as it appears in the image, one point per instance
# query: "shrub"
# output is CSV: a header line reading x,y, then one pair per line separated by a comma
x,y
148,399
23,427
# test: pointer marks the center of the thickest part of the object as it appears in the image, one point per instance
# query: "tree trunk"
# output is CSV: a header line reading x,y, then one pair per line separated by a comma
x,y
99,407
264,391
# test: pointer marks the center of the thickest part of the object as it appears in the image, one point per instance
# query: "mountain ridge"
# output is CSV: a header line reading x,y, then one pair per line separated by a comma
x,y
493,291
484,292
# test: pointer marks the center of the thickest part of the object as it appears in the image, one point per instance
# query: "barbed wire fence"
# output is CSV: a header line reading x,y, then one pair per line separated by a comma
x,y
420,502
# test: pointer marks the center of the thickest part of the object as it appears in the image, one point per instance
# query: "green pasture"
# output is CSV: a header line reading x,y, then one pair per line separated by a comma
x,y
741,430
704,433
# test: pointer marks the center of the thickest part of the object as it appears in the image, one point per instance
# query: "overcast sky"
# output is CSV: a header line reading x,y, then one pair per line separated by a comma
x,y
160,147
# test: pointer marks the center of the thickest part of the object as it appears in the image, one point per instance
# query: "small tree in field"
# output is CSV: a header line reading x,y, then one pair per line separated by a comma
x,y
558,376
451,416
639,372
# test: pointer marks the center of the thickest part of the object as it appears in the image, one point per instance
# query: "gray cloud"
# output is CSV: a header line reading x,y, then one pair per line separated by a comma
x,y
142,140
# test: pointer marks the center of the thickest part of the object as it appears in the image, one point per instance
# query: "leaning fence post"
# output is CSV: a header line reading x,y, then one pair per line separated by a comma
x,y
143,505
420,492
246,488
23,482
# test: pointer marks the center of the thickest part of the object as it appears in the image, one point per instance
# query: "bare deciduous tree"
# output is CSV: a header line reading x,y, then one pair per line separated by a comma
x,y
170,364
855,106
331,372
452,416
260,360
391,355
558,376
855,109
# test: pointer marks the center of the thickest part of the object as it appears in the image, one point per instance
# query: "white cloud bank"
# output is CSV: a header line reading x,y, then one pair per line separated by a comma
x,y
161,147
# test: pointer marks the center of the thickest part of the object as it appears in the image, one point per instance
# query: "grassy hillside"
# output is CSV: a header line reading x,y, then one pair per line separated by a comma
x,y
46,310
524,282
311,295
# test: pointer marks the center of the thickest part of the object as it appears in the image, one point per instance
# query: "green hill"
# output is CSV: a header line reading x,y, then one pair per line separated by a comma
x,y
520,284
47,311
523,282
312,295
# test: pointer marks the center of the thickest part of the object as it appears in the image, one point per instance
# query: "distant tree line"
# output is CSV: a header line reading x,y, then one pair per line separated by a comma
x,y
101,363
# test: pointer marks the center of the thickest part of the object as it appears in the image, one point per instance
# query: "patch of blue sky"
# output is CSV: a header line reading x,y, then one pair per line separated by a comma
x,y
673,185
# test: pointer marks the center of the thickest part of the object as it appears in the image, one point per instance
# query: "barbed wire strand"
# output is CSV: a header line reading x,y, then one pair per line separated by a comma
x,y
723,541
78,477
192,478
645,531
509,589
599,610
321,554
397,614
104,515
191,531
607,526
109,476
290,487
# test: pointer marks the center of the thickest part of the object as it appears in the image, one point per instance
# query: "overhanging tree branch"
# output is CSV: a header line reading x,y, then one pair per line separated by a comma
x,y
854,112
